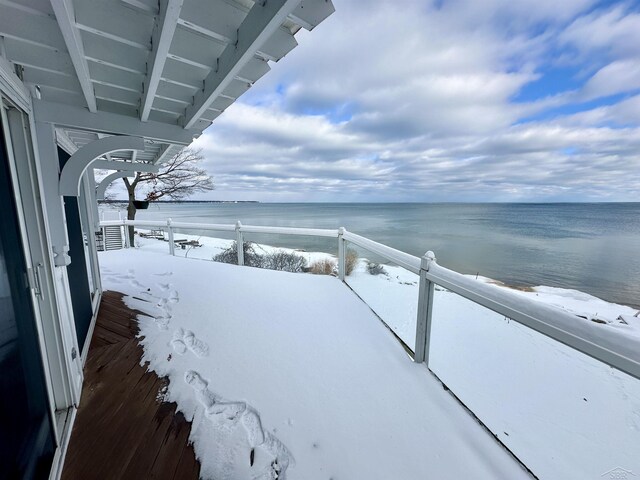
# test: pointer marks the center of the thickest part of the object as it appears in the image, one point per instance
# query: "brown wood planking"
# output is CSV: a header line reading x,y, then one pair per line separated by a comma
x,y
122,430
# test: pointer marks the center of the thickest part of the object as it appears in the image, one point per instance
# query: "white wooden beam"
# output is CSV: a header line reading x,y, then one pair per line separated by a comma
x,y
50,170
78,162
66,20
125,166
264,18
63,140
88,182
162,154
142,6
310,13
113,123
108,155
161,41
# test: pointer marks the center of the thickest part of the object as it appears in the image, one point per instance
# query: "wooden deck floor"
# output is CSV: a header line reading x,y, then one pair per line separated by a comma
x,y
121,430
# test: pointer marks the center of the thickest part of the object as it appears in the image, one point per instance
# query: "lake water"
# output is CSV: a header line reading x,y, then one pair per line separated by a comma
x,y
590,247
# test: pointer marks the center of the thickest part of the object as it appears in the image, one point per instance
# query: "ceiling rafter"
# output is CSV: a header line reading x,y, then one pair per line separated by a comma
x,y
310,13
124,165
261,22
111,123
164,151
161,41
66,21
102,135
141,6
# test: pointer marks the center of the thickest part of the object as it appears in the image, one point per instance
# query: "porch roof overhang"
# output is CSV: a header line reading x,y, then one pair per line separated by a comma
x,y
161,70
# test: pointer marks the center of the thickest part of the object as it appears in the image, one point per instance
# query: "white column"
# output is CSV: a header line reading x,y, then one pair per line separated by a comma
x,y
341,254
50,168
172,245
425,311
240,243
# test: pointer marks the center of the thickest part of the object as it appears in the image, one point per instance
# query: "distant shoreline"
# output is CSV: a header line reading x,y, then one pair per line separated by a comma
x,y
184,201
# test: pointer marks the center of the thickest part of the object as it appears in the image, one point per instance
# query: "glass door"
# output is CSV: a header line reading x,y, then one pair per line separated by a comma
x,y
27,442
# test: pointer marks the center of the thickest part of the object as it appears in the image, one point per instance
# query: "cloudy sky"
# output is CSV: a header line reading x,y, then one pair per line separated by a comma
x,y
442,100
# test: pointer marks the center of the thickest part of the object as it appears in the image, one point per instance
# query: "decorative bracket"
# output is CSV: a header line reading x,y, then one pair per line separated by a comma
x,y
75,167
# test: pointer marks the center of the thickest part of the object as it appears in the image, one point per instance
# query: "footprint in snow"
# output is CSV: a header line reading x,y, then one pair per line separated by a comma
x,y
178,344
165,287
163,322
128,276
194,379
205,396
165,302
198,347
118,276
276,448
187,340
253,426
150,297
227,413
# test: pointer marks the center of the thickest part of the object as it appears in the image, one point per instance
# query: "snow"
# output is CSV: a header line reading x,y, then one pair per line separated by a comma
x,y
296,369
334,390
565,415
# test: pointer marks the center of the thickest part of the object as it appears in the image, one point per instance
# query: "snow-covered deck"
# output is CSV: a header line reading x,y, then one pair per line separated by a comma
x,y
291,372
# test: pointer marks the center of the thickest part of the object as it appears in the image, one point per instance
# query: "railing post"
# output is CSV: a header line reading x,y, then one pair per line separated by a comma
x,y
172,245
341,253
240,243
125,232
104,239
425,310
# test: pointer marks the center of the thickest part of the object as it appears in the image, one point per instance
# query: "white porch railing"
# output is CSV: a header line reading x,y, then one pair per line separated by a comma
x,y
610,346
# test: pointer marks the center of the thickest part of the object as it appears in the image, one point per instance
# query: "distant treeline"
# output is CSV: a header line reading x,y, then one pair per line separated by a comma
x,y
185,201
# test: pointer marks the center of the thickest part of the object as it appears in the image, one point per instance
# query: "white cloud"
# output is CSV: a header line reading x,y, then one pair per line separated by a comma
x,y
414,101
617,77
615,32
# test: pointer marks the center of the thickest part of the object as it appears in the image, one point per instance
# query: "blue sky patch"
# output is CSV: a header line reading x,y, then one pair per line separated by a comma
x,y
552,81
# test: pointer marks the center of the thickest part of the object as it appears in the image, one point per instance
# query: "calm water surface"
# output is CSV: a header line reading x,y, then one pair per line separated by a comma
x,y
590,247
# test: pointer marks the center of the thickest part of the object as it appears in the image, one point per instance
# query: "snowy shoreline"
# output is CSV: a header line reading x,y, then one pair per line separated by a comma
x,y
393,293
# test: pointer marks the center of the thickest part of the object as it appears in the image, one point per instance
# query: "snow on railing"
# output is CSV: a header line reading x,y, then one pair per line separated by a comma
x,y
611,346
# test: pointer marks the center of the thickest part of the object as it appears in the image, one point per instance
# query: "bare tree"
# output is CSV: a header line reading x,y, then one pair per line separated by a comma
x,y
180,177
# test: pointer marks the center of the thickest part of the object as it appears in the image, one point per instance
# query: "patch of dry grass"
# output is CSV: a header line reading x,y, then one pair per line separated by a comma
x,y
323,267
350,261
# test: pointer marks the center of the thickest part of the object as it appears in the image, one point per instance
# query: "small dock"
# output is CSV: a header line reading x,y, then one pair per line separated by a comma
x,y
123,429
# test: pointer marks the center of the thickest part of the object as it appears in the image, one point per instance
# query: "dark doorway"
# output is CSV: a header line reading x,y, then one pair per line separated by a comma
x,y
26,431
77,269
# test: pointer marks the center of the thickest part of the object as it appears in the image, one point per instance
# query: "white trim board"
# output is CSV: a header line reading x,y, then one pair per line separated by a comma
x,y
61,452
12,86
95,305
